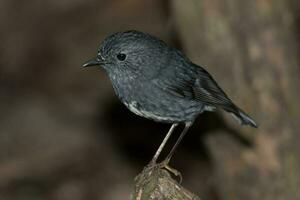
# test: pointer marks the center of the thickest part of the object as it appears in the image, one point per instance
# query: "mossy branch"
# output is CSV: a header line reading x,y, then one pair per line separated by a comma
x,y
157,184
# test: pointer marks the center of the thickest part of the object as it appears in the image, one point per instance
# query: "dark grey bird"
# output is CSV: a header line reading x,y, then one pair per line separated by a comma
x,y
159,82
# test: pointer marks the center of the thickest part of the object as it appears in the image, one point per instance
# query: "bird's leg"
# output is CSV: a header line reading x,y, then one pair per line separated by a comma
x,y
155,157
186,128
165,163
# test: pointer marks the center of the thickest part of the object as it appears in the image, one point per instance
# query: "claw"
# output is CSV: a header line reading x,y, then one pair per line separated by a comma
x,y
164,164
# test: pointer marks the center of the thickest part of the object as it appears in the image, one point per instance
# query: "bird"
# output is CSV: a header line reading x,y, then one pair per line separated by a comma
x,y
158,82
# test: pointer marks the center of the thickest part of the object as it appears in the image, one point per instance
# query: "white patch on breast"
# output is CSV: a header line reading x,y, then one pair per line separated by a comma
x,y
209,108
143,113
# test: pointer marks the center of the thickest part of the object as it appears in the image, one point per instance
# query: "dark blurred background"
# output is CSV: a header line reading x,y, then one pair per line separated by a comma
x,y
65,136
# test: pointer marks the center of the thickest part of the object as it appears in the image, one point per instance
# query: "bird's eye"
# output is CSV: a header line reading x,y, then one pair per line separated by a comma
x,y
121,56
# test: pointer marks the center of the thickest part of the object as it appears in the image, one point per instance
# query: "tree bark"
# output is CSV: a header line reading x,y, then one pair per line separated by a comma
x,y
157,184
250,49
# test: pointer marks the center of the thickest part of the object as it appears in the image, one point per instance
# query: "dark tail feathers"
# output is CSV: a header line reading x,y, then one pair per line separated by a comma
x,y
242,117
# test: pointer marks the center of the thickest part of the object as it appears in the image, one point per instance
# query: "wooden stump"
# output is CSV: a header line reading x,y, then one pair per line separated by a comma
x,y
157,184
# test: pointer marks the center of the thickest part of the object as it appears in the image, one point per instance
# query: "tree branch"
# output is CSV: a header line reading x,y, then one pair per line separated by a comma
x,y
157,184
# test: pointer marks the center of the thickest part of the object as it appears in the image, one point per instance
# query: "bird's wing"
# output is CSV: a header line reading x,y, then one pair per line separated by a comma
x,y
196,84
208,91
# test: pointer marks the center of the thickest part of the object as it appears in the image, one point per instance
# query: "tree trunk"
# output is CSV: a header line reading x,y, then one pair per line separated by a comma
x,y
250,49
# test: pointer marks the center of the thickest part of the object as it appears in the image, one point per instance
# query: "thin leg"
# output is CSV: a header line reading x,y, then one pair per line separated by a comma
x,y
154,159
186,128
165,163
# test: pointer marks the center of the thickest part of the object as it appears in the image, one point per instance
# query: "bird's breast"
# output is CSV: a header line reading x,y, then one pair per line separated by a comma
x,y
138,110
143,98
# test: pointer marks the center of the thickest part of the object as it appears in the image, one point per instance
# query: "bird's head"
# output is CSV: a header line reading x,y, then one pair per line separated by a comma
x,y
132,51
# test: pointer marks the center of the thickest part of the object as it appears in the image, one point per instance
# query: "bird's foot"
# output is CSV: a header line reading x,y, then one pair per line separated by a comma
x,y
165,165
152,163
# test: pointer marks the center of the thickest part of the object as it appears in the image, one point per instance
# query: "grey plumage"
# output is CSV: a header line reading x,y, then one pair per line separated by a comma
x,y
158,82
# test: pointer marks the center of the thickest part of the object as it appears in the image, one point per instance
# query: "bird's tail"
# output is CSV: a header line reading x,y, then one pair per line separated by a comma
x,y
241,116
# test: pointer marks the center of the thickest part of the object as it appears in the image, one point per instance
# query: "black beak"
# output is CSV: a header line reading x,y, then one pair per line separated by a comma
x,y
93,62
